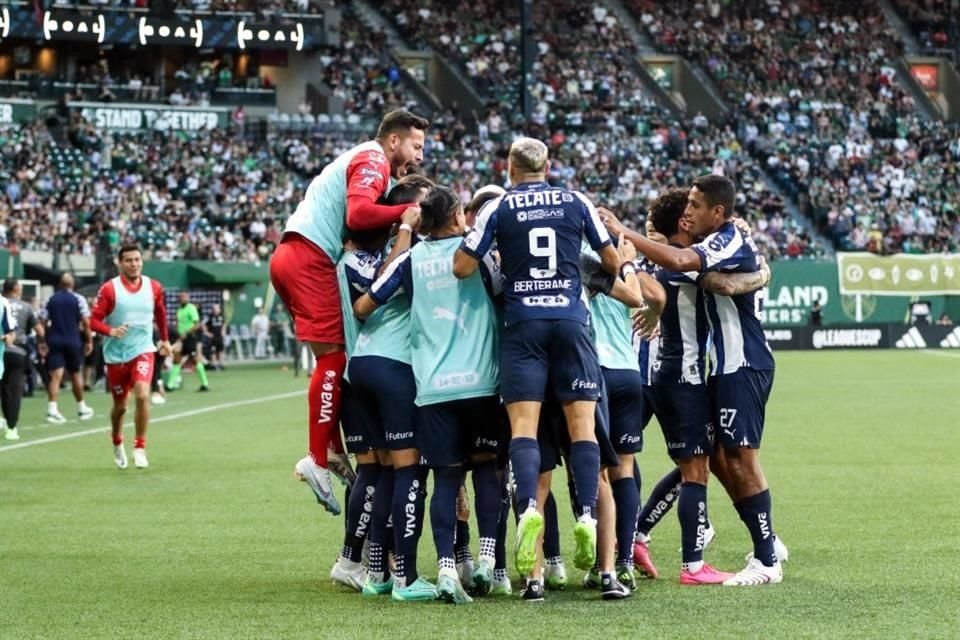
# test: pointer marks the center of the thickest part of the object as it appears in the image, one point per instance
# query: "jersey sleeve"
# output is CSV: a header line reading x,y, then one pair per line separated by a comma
x,y
725,250
84,307
394,279
593,229
480,239
368,176
160,311
491,274
361,268
102,307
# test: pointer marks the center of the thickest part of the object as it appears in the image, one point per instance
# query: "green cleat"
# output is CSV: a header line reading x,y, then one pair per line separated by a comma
x,y
501,587
372,588
529,529
626,578
585,534
591,579
451,591
421,589
555,577
482,577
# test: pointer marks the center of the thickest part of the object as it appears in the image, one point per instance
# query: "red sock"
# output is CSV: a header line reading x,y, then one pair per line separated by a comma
x,y
117,440
324,400
139,443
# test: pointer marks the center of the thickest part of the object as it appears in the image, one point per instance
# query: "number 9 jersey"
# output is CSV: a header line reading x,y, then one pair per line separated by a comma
x,y
538,230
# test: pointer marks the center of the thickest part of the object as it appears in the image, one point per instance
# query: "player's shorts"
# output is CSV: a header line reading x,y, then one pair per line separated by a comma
x,y
216,343
385,390
683,411
306,280
65,356
624,408
188,345
559,354
356,438
554,437
739,402
121,377
449,432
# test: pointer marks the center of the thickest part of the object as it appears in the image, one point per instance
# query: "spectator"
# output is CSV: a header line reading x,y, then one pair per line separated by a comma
x,y
260,327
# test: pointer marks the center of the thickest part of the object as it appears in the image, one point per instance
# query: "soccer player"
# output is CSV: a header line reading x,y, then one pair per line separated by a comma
x,y
16,358
7,331
454,339
303,271
213,326
189,329
742,364
127,309
68,316
538,230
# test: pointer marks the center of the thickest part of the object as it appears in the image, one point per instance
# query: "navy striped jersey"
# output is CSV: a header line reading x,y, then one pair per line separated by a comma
x,y
684,330
538,230
647,350
737,340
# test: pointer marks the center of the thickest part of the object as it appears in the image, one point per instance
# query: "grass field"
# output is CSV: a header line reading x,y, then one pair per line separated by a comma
x,y
216,540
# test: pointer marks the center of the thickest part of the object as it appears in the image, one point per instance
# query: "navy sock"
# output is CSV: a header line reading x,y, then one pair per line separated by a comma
x,y
692,512
551,528
585,465
659,502
756,512
381,536
525,461
461,548
500,553
486,490
572,494
637,476
443,512
408,493
627,499
360,510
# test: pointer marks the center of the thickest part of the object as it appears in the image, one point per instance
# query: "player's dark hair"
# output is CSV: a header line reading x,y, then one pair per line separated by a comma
x,y
408,188
436,210
400,121
666,211
718,191
478,201
128,248
9,286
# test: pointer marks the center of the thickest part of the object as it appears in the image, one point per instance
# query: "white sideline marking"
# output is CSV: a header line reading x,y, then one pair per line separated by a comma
x,y
945,354
172,416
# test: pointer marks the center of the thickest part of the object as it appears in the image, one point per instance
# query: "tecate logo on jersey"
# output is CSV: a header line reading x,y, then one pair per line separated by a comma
x,y
583,384
546,301
548,198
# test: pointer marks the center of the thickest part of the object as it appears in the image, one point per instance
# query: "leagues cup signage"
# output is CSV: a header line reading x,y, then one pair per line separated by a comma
x,y
12,111
160,117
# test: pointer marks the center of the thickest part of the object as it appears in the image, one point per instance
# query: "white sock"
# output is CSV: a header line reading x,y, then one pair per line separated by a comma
x,y
693,567
52,407
82,405
641,537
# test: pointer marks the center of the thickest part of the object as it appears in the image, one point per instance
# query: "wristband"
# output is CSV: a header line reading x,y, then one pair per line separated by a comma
x,y
625,268
406,227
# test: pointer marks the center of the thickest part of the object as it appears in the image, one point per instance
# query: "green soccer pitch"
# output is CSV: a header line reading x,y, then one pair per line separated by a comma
x,y
217,540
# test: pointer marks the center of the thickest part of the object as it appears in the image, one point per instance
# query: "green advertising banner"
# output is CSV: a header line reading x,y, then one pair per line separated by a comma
x,y
13,111
899,275
662,72
131,117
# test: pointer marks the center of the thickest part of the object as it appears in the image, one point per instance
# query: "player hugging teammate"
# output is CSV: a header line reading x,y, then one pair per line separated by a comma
x,y
496,341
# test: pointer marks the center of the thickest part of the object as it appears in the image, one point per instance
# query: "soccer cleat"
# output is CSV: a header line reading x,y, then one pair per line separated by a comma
x,y
482,576
450,590
756,573
555,576
203,389
585,535
373,588
348,574
12,434
642,561
85,413
706,575
120,456
465,572
591,579
339,465
55,417
532,591
529,528
780,549
156,398
501,587
613,589
421,589
318,479
626,578
140,458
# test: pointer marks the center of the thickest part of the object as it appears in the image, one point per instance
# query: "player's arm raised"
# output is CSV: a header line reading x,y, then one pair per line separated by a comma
x,y
668,257
367,178
409,223
394,279
735,284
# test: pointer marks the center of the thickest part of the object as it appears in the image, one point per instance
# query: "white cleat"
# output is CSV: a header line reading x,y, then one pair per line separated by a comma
x,y
348,574
156,398
339,465
756,573
55,417
12,434
85,413
120,456
318,479
140,458
779,549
